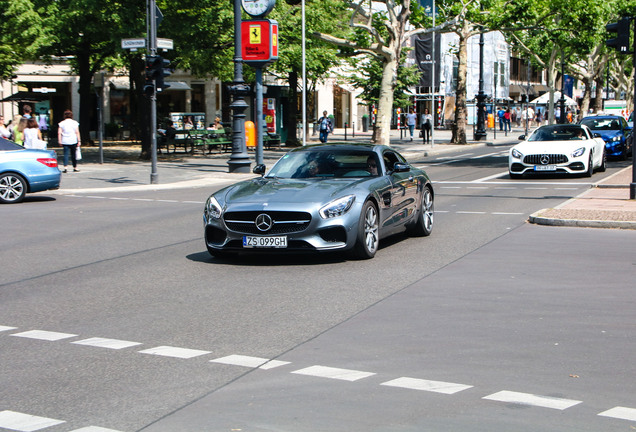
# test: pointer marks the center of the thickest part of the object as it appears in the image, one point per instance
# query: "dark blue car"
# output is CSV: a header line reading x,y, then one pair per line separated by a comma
x,y
615,132
25,171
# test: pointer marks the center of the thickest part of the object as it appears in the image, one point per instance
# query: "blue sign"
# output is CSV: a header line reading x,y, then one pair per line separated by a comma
x,y
428,7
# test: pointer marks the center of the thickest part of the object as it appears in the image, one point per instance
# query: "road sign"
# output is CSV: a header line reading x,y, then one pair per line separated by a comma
x,y
133,43
166,44
259,42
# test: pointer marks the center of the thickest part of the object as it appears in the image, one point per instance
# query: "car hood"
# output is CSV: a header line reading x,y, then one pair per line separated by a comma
x,y
607,135
549,147
264,190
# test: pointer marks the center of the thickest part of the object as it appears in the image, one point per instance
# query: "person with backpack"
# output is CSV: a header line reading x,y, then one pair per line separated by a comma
x,y
325,126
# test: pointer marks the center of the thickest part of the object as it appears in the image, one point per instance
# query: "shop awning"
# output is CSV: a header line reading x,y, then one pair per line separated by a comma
x,y
124,84
23,96
540,88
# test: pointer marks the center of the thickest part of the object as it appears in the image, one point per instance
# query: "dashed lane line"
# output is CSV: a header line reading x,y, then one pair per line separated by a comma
x,y
427,385
532,400
168,351
621,413
248,361
334,373
44,335
107,343
25,422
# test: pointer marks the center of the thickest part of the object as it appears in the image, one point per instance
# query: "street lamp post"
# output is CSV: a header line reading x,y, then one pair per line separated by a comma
x,y
480,131
239,160
562,100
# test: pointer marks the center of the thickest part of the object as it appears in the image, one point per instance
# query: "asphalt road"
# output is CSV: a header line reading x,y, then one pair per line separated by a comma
x,y
112,315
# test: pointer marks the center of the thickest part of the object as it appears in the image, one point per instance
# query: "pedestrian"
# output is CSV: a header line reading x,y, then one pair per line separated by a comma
x,y
17,129
68,135
325,126
507,125
427,125
539,117
500,115
411,120
518,116
27,111
4,131
32,135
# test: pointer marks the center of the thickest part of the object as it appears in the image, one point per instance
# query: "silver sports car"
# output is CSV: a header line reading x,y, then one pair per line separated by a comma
x,y
321,198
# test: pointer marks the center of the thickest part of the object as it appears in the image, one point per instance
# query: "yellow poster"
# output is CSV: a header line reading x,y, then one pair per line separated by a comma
x,y
255,34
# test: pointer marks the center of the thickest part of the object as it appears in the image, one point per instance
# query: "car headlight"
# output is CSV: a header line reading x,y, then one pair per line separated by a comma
x,y
213,209
338,207
578,152
616,138
516,154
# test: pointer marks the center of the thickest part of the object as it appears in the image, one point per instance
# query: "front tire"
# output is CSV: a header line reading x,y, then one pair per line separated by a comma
x,y
590,167
424,224
603,166
368,237
13,188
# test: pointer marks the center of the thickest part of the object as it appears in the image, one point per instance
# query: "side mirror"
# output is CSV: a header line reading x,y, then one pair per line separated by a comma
x,y
597,135
259,169
522,137
401,167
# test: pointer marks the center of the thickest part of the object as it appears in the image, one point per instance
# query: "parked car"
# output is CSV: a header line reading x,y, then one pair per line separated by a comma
x,y
328,197
25,171
570,148
614,130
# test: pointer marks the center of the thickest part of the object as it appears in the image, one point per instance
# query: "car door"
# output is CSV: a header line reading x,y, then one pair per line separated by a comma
x,y
402,195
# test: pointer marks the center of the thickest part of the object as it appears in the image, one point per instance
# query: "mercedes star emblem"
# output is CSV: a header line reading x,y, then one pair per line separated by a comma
x,y
263,222
545,159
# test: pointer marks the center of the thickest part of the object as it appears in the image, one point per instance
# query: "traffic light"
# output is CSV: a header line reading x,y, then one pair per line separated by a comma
x,y
621,41
157,68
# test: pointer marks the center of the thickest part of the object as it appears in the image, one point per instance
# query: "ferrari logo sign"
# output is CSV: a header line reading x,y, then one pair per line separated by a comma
x,y
259,41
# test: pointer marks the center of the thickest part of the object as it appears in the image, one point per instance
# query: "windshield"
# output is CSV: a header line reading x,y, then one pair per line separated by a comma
x,y
601,123
559,133
326,164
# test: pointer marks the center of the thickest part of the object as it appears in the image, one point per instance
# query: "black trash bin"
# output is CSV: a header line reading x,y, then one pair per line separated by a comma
x,y
365,123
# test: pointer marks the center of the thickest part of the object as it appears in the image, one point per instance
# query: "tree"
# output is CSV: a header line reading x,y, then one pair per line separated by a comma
x,y
381,33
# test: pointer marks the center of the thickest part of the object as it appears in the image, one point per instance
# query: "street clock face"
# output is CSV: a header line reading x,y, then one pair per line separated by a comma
x,y
258,8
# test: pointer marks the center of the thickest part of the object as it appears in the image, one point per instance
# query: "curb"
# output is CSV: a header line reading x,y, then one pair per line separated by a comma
x,y
538,220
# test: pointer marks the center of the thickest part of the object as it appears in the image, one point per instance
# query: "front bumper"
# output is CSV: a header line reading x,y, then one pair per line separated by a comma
x,y
556,163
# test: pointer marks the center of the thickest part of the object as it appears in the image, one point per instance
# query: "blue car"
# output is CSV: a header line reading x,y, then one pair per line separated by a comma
x,y
615,132
25,170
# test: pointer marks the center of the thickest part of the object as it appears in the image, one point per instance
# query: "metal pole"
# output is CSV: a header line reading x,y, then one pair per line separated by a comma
x,y
480,131
433,85
101,120
632,186
527,97
562,100
495,114
259,115
152,45
239,160
304,110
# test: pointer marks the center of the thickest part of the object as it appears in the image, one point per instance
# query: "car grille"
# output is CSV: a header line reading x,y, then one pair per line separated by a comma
x,y
283,222
540,159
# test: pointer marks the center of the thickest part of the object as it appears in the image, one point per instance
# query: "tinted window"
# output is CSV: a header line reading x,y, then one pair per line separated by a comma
x,y
324,164
5,144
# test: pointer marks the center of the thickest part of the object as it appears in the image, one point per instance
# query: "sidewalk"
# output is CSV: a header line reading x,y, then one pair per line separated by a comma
x,y
605,205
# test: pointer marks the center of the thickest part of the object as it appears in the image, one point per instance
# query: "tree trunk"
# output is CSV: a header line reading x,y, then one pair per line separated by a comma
x,y
85,80
598,103
292,111
551,72
587,98
382,131
459,128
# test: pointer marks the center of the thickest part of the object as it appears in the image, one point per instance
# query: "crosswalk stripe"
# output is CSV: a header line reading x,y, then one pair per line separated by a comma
x,y
168,351
6,328
427,385
533,400
107,343
24,422
94,429
622,413
44,335
334,373
247,361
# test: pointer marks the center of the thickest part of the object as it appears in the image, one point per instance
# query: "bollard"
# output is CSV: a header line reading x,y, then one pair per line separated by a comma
x,y
345,126
353,129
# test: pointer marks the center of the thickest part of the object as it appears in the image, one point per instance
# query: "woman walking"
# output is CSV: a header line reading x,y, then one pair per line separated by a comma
x,y
32,135
68,135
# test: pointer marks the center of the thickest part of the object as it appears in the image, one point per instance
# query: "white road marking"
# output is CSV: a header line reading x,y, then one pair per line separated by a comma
x,y
622,413
490,177
533,400
118,198
94,429
247,361
427,385
536,188
450,187
506,213
25,422
44,335
470,212
5,328
107,343
168,351
334,373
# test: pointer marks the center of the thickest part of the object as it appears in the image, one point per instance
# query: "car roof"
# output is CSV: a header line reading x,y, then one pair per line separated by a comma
x,y
341,146
603,116
563,126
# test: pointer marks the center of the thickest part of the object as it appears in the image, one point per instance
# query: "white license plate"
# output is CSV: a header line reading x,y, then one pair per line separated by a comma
x,y
545,167
264,242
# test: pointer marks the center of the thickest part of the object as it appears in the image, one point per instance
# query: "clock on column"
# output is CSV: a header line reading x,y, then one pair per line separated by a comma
x,y
258,8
